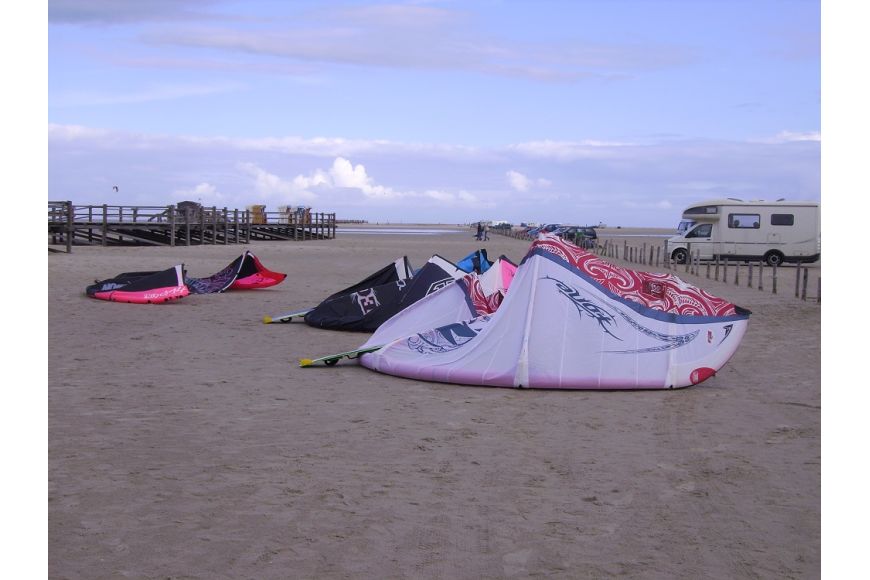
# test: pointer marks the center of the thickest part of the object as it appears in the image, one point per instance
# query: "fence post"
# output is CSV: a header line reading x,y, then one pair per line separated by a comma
x,y
749,280
737,273
774,279
236,225
187,213
688,256
658,255
171,210
201,226
806,279
716,271
725,269
797,280
105,224
247,226
226,218
214,224
819,290
70,211
761,274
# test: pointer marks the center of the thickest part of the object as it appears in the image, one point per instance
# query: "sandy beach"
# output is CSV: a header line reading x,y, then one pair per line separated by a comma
x,y
186,442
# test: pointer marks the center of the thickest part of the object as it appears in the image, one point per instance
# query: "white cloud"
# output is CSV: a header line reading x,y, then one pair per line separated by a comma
x,y
521,183
568,150
517,180
631,185
272,186
202,191
144,95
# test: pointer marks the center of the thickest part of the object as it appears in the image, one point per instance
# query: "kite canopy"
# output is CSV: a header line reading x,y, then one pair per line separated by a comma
x,y
367,308
476,261
219,282
574,321
142,287
471,296
252,274
400,269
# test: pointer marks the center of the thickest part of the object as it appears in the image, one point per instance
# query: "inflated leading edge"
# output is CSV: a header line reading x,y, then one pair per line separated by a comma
x,y
573,321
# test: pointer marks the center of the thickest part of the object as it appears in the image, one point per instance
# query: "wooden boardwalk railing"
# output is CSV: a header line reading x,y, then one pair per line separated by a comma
x,y
112,225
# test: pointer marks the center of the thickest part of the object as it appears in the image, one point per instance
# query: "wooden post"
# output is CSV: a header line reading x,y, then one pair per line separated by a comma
x,y
105,224
658,255
774,279
187,225
761,274
708,269
716,271
201,225
171,210
247,226
70,218
698,262
643,254
725,269
797,280
806,279
819,290
749,279
226,226
236,225
90,221
737,273
214,224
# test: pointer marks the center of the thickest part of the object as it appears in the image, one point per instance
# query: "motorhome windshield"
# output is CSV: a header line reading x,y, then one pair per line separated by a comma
x,y
684,226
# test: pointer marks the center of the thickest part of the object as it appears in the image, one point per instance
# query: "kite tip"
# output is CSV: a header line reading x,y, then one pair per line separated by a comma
x,y
267,320
305,362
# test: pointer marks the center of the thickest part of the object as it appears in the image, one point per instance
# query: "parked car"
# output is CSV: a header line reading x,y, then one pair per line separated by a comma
x,y
583,236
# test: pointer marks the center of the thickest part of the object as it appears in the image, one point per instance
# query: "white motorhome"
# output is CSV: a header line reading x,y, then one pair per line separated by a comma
x,y
774,231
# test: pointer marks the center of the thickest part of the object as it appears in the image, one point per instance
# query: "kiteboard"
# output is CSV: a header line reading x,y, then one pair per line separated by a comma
x,y
288,317
332,359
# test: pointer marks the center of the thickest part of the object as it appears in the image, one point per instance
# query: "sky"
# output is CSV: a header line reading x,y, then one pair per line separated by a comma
x,y
590,111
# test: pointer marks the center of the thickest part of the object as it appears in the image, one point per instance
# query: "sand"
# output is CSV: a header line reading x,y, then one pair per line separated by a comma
x,y
185,442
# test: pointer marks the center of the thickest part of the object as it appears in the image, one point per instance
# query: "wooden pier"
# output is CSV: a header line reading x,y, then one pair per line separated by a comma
x,y
182,225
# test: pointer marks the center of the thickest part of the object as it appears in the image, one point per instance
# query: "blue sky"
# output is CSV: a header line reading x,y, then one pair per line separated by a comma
x,y
612,111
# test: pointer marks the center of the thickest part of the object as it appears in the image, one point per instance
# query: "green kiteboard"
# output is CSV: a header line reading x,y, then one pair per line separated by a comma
x,y
288,317
332,359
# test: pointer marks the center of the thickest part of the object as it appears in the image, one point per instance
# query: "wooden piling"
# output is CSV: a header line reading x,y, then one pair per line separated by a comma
x,y
806,279
172,226
797,280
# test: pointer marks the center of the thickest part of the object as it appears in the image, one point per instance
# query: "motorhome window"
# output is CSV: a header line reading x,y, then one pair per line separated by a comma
x,y
704,209
782,219
702,231
685,225
744,220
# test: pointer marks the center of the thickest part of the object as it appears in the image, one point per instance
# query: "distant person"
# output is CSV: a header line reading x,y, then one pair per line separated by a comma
x,y
485,232
479,235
